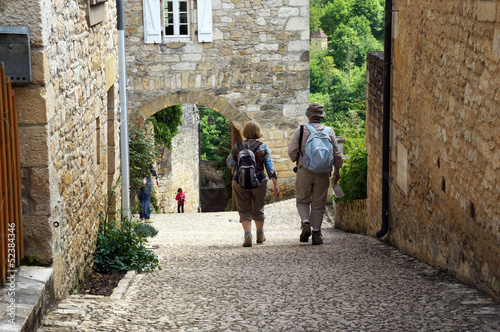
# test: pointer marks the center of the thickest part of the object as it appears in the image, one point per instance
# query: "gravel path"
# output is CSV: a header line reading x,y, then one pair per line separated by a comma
x,y
209,282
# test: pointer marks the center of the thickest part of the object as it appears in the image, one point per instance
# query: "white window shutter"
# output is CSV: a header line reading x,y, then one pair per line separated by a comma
x,y
152,22
205,21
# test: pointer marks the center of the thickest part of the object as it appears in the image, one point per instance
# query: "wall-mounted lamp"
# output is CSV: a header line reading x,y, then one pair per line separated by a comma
x,y
211,120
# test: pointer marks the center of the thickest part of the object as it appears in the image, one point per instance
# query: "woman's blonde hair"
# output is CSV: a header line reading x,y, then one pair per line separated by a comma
x,y
252,130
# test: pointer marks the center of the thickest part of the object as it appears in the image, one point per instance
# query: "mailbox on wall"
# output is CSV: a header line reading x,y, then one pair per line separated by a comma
x,y
15,53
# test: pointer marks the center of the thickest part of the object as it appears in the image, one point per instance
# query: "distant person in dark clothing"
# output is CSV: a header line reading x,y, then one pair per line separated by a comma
x,y
144,195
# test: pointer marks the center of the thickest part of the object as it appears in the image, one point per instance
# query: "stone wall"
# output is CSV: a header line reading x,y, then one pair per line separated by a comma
x,y
351,217
445,146
374,111
68,131
257,67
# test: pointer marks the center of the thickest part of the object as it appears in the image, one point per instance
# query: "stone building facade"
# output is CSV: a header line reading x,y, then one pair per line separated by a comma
x,y
445,138
252,62
68,127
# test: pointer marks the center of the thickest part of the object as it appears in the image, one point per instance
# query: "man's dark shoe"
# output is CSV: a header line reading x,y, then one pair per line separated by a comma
x,y
306,232
317,238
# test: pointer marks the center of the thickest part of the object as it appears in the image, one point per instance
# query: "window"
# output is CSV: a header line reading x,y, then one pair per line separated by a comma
x,y
176,13
177,20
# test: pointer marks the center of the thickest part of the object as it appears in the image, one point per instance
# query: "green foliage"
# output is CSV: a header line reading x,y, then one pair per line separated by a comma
x,y
317,78
372,11
221,154
211,134
122,249
353,175
31,260
166,123
145,230
142,152
314,15
344,46
119,248
155,205
347,87
334,14
229,205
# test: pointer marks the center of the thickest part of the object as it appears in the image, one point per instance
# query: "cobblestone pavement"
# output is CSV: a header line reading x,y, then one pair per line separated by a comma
x,y
209,282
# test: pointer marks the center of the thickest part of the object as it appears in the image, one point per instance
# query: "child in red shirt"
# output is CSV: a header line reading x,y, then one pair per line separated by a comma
x,y
180,198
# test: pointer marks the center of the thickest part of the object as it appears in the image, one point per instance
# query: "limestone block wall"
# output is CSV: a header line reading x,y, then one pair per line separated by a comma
x,y
445,137
68,131
374,111
257,67
179,167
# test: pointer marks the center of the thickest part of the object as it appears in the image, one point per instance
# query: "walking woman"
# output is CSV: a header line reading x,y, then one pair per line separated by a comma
x,y
250,187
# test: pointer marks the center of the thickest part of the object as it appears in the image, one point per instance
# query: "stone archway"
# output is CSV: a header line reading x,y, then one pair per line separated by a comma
x,y
180,166
277,131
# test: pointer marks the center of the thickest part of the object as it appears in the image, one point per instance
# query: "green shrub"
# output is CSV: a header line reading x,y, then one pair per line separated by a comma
x,y
122,249
353,176
119,248
145,230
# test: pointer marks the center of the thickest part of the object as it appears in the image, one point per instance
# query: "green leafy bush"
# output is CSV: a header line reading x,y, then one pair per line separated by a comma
x,y
353,176
122,249
119,248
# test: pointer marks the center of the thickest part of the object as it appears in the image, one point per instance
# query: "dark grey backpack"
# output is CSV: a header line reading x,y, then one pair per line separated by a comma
x,y
247,174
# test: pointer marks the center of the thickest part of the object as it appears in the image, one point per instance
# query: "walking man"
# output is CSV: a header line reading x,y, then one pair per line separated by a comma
x,y
312,179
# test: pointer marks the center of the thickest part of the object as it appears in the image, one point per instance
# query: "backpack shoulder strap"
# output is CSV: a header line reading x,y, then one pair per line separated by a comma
x,y
255,146
239,145
301,136
311,128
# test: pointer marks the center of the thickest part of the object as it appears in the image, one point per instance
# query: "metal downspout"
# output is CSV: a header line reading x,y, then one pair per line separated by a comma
x,y
122,82
386,118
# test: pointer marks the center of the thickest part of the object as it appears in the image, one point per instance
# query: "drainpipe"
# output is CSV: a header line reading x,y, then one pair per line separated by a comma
x,y
122,82
386,118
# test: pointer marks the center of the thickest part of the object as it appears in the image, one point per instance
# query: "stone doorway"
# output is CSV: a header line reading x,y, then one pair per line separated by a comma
x,y
191,166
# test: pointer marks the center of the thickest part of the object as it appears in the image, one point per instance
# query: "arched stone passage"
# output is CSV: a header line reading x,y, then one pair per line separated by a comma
x,y
277,128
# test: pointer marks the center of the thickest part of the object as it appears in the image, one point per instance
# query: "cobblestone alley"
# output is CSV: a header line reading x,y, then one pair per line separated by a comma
x,y
209,282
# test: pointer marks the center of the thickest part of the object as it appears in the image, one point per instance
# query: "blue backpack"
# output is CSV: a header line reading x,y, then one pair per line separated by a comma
x,y
319,150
